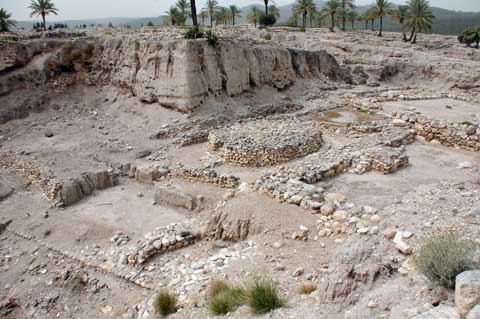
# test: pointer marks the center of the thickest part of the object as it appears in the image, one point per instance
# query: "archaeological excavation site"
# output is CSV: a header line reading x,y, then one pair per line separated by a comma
x,y
254,173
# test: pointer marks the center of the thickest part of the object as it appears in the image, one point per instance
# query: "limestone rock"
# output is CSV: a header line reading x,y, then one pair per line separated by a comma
x,y
467,291
474,313
174,196
440,312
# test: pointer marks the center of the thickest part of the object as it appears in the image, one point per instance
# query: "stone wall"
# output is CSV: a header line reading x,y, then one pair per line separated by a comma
x,y
265,143
464,135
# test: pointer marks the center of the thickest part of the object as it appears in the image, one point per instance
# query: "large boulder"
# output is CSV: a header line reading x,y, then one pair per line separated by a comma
x,y
467,291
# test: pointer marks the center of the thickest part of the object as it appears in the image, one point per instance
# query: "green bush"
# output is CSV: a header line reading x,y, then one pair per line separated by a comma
x,y
261,295
88,51
443,256
212,38
223,298
223,303
267,20
165,303
194,33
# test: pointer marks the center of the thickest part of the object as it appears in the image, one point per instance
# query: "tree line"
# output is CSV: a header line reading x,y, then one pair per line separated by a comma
x,y
415,17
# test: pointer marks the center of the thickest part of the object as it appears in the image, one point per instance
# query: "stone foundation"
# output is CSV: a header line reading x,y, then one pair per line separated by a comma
x,y
464,135
265,143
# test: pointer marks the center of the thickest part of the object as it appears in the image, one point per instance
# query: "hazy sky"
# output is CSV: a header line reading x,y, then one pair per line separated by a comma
x,y
83,9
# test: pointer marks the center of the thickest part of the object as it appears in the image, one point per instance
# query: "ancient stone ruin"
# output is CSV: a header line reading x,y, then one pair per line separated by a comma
x,y
135,160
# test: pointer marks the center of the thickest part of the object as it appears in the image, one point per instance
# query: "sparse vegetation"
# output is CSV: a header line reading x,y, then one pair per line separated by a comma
x,y
261,295
443,256
165,303
70,57
212,38
194,33
307,288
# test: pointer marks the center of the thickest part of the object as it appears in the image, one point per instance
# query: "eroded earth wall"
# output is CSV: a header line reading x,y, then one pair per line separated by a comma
x,y
180,74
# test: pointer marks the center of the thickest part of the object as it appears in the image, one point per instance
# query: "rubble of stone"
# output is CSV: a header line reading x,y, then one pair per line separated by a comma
x,y
265,143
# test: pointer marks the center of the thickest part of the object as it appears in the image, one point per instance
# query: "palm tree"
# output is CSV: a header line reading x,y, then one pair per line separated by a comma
x,y
371,15
203,15
293,20
353,16
346,4
211,7
6,21
305,7
419,18
400,14
266,6
222,15
193,13
332,9
382,8
234,12
253,16
172,16
182,6
274,11
365,18
42,8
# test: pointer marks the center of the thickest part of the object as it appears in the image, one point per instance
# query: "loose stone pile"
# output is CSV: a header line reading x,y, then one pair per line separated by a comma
x,y
265,143
465,135
161,240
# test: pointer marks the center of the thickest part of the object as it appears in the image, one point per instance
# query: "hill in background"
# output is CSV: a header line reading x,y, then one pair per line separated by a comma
x,y
446,21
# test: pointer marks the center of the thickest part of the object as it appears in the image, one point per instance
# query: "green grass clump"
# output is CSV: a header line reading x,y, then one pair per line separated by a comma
x,y
261,295
443,256
165,303
223,298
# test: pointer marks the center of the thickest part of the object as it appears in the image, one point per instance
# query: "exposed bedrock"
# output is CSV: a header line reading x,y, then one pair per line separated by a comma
x,y
180,74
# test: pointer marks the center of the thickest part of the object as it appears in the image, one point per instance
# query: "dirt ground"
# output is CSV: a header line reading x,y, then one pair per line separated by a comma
x,y
66,261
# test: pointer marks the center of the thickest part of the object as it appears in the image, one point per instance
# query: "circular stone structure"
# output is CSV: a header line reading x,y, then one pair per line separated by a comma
x,y
265,143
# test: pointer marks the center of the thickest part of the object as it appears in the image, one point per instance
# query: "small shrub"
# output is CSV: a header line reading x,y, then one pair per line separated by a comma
x,y
223,298
88,50
443,256
307,288
212,38
165,303
223,303
216,287
267,20
261,296
194,33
